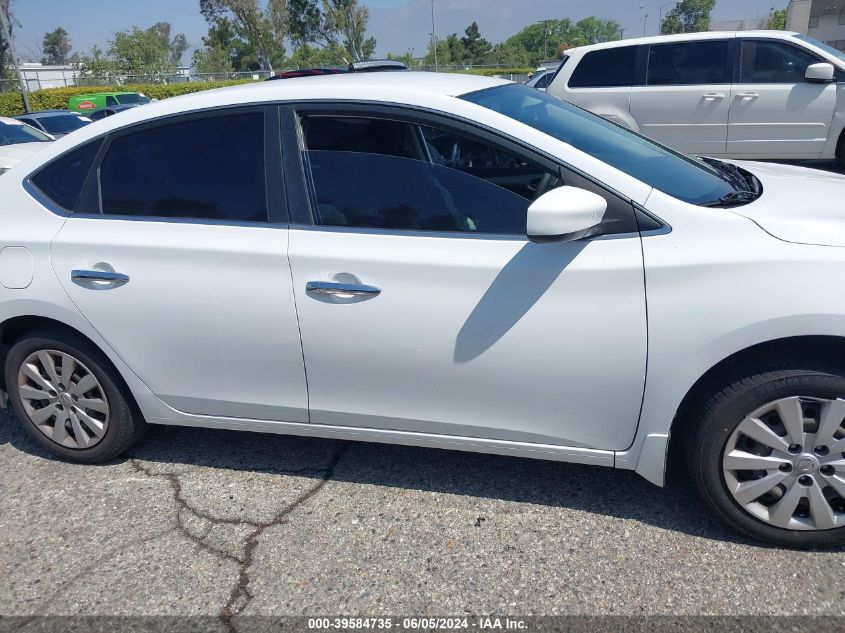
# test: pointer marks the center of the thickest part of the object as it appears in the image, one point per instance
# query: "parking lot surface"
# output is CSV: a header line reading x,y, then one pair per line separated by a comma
x,y
224,524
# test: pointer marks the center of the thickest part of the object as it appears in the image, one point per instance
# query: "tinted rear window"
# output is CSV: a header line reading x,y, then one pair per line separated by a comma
x,y
209,168
609,68
63,179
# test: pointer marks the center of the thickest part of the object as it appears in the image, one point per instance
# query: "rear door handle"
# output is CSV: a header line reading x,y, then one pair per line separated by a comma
x,y
99,275
712,96
747,96
353,290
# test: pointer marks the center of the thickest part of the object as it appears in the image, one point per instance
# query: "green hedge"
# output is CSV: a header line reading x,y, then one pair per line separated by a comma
x,y
11,103
493,72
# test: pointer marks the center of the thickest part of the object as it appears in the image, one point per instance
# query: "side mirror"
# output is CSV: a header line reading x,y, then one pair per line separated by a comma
x,y
820,73
565,214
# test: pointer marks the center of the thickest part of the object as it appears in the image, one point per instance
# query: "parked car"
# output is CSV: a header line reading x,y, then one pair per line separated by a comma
x,y
458,262
763,94
90,102
18,141
57,123
102,113
541,78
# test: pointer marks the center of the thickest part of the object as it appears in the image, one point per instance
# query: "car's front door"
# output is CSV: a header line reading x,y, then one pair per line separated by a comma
x,y
775,111
188,226
423,307
685,100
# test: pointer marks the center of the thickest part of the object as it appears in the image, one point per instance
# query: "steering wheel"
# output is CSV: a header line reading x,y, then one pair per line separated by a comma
x,y
542,186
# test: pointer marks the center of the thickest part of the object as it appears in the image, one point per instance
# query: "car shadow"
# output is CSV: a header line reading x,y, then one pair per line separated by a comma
x,y
522,282
616,493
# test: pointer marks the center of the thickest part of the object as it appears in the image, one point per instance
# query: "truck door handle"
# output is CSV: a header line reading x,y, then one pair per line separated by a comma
x,y
747,96
712,96
99,275
354,290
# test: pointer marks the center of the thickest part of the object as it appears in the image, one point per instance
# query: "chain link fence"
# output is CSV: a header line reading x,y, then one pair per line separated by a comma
x,y
65,77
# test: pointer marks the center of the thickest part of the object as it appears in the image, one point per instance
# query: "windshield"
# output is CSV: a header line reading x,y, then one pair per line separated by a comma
x,y
14,133
684,178
825,47
63,123
132,99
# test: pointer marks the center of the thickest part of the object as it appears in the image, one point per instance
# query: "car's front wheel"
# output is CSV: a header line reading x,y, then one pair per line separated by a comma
x,y
767,453
69,398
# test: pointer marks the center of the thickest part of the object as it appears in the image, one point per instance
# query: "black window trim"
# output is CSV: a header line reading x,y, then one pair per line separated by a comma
x,y
300,201
839,76
277,210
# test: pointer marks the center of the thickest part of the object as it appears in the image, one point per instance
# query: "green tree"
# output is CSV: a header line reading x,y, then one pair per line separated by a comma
x,y
140,53
328,23
688,16
476,47
262,25
222,39
777,20
310,56
595,30
136,54
213,62
549,38
406,58
56,47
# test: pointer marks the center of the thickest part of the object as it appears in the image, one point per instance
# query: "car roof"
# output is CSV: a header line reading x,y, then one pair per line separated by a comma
x,y
41,114
88,95
389,87
684,37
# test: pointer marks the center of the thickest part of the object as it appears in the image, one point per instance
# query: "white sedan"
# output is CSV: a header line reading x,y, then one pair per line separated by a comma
x,y
452,261
18,141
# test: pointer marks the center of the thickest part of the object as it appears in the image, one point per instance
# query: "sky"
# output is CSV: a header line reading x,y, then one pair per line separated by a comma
x,y
398,25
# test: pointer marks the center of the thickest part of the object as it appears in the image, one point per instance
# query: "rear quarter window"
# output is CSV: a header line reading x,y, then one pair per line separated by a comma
x,y
63,179
608,68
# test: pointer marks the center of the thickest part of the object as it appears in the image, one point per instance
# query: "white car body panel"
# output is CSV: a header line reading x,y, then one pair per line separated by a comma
x,y
470,335
770,120
189,283
11,155
738,120
715,283
692,119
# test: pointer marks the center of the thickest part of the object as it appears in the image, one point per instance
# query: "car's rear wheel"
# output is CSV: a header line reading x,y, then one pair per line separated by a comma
x,y
70,399
768,455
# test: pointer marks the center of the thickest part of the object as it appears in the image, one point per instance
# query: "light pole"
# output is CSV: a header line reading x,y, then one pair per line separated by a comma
x,y
545,24
645,17
434,35
7,35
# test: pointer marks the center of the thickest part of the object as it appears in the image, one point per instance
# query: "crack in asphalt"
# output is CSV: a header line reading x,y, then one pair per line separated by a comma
x,y
241,595
185,507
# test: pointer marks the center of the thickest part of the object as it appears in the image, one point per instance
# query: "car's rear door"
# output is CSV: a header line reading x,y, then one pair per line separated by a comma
x,y
685,97
424,308
183,217
775,111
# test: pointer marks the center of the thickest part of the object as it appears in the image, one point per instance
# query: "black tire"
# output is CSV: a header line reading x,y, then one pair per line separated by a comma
x,y
126,424
712,424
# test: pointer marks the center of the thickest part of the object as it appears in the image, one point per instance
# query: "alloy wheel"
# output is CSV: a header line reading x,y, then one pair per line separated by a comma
x,y
785,463
63,399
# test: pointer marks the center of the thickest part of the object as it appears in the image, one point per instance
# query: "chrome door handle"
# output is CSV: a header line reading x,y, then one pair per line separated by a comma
x,y
99,275
354,290
747,96
713,96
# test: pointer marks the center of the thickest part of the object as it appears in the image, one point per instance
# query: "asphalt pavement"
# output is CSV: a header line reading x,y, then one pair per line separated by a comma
x,y
227,524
